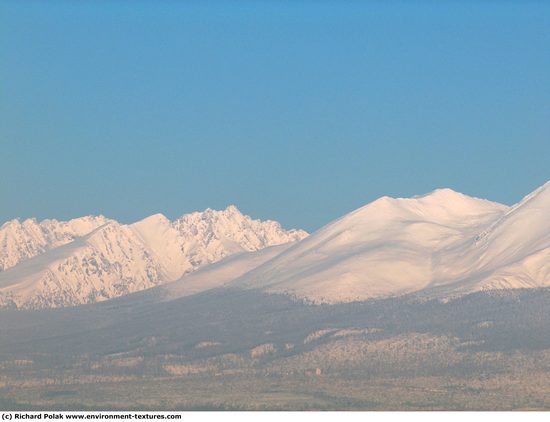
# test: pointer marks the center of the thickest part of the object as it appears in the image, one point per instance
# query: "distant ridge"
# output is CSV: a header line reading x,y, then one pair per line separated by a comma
x,y
56,263
439,245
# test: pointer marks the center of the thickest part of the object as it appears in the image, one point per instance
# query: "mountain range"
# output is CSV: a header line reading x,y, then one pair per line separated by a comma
x,y
433,302
55,263
440,245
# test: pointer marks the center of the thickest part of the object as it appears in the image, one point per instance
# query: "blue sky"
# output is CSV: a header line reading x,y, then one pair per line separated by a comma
x,y
294,111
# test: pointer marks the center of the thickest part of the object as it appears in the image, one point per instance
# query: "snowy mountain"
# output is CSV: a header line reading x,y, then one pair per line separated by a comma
x,y
23,240
440,245
52,264
512,252
388,247
443,244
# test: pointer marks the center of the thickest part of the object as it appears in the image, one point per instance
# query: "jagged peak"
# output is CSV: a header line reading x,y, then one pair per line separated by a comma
x,y
17,222
232,220
10,223
34,220
90,217
231,212
232,209
158,217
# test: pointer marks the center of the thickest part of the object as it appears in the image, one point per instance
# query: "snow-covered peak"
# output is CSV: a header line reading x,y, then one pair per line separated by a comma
x,y
524,228
441,243
443,194
16,223
387,247
153,221
386,215
232,209
447,203
55,263
24,240
212,235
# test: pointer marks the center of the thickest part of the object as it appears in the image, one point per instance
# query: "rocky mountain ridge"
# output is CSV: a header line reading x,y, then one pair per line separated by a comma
x,y
55,263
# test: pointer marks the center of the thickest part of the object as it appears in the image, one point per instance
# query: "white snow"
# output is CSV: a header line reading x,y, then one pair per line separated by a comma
x,y
23,240
382,249
220,274
441,244
51,264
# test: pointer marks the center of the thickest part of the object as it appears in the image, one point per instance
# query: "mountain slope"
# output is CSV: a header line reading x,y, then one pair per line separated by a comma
x,y
113,259
219,274
386,248
512,252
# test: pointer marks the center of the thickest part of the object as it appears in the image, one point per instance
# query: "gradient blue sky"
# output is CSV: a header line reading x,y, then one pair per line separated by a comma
x,y
295,111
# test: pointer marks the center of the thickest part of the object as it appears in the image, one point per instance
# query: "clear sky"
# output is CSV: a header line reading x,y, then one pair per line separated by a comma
x,y
294,111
